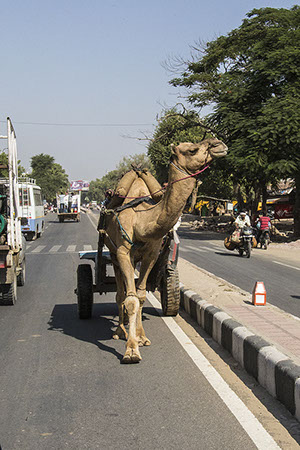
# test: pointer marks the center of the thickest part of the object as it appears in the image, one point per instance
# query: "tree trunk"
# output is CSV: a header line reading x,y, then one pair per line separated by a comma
x,y
194,195
264,198
297,207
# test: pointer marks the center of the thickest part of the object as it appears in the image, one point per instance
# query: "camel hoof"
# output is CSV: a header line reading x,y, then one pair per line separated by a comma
x,y
131,357
120,334
143,341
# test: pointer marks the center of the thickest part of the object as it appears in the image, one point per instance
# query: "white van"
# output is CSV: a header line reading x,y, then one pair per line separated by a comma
x,y
31,208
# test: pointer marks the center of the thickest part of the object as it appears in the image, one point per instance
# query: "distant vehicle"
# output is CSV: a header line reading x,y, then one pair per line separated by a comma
x,y
12,243
31,208
68,206
93,204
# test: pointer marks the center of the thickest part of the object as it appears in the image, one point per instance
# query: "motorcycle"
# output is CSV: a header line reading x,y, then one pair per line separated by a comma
x,y
264,239
245,243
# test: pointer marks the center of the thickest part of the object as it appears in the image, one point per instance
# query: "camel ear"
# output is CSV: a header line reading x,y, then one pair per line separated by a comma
x,y
173,149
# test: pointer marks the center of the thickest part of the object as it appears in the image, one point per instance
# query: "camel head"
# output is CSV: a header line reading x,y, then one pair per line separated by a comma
x,y
191,157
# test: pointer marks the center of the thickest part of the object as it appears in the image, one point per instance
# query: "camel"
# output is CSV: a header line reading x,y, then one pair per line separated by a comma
x,y
135,234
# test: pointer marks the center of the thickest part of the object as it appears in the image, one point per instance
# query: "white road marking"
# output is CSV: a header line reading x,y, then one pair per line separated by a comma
x,y
248,421
71,248
196,249
92,222
286,265
55,248
87,248
38,249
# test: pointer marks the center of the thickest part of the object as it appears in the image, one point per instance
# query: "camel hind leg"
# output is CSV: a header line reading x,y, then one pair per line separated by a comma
x,y
120,332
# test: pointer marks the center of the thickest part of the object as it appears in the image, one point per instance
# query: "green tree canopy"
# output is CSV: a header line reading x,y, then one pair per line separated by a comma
x,y
4,162
49,175
250,78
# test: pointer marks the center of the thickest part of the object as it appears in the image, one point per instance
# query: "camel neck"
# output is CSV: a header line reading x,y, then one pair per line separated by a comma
x,y
178,191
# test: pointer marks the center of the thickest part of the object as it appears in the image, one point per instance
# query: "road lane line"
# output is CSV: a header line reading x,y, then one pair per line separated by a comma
x,y
244,416
196,249
71,248
286,265
38,249
92,222
87,248
55,248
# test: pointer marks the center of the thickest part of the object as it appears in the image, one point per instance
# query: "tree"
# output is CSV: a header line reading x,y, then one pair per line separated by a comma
x,y
251,80
4,164
49,175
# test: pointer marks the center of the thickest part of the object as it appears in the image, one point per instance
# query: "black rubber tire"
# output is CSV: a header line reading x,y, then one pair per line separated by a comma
x,y
248,249
170,291
9,293
22,275
61,219
241,251
84,291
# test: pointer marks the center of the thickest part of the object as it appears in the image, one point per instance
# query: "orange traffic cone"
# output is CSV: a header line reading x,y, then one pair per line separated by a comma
x,y
259,294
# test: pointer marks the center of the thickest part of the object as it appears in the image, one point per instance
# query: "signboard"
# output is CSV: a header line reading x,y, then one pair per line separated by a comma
x,y
79,185
284,211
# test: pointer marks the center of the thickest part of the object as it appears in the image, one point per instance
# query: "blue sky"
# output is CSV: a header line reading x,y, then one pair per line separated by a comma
x,y
98,62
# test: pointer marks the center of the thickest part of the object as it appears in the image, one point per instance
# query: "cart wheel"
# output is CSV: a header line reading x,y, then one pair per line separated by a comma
x,y
21,275
61,219
84,291
9,293
170,292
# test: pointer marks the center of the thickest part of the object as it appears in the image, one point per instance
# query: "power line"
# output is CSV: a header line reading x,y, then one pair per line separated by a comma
x,y
83,124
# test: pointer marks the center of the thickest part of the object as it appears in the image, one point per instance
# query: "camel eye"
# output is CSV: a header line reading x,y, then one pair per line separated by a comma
x,y
193,152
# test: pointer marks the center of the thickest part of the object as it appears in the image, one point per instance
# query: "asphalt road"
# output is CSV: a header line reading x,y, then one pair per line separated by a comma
x,y
62,384
206,250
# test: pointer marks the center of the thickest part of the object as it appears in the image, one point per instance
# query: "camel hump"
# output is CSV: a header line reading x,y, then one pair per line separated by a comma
x,y
152,184
125,183
134,184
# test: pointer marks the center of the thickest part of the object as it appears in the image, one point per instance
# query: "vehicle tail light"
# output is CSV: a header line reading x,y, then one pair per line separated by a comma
x,y
2,261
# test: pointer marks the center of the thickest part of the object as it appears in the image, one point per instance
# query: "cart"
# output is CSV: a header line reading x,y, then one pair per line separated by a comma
x,y
164,277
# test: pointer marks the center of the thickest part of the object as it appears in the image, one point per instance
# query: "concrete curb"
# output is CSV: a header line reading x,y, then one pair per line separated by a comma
x,y
272,369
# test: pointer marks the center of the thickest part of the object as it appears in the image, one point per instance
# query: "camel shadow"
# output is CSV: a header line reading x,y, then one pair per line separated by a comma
x,y
97,330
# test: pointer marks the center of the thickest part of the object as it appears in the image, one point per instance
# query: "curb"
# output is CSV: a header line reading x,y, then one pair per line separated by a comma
x,y
277,373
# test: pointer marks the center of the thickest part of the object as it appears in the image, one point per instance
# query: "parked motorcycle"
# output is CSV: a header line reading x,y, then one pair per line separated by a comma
x,y
245,244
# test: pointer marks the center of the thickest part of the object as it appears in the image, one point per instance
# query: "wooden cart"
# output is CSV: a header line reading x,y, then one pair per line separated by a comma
x,y
163,277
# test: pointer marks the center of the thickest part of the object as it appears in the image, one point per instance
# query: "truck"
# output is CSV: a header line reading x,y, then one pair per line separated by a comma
x,y
12,242
68,206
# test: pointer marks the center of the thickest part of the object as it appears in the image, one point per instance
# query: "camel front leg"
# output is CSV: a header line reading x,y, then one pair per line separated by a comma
x,y
131,304
146,267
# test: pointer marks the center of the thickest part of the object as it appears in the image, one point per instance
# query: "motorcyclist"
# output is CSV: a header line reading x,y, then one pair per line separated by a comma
x,y
263,224
242,220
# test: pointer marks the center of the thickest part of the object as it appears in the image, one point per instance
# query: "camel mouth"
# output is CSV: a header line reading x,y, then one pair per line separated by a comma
x,y
219,152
